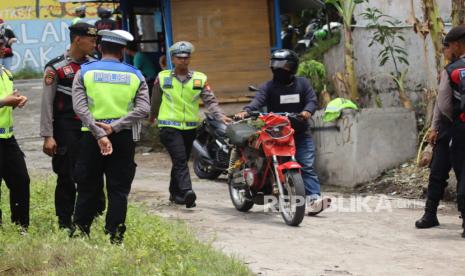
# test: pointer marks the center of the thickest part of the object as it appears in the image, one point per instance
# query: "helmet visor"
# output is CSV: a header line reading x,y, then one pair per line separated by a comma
x,y
276,63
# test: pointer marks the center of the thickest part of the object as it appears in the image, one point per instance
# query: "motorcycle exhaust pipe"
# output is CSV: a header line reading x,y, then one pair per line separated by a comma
x,y
202,151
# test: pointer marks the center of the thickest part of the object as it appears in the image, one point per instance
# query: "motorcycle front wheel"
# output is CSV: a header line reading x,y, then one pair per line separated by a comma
x,y
292,201
204,171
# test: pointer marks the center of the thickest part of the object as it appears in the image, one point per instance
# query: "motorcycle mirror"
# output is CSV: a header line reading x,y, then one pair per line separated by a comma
x,y
253,88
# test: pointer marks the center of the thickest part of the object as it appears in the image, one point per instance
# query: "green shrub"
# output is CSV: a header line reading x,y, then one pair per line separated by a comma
x,y
314,71
27,73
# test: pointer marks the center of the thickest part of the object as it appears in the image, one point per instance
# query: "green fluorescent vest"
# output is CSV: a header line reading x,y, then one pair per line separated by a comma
x,y
110,94
334,108
6,112
180,102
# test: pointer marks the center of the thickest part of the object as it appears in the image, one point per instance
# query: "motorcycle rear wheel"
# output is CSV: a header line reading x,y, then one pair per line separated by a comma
x,y
292,203
203,171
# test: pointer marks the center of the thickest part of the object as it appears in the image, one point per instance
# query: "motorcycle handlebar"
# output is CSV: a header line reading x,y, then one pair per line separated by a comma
x,y
255,114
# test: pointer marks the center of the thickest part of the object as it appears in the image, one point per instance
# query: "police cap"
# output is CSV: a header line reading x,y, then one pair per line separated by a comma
x,y
455,34
84,29
182,49
120,37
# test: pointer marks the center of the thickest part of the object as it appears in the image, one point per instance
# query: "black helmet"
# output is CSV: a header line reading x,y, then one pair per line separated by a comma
x,y
286,59
103,12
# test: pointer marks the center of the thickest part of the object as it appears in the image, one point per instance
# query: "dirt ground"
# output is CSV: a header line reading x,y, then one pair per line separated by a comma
x,y
372,235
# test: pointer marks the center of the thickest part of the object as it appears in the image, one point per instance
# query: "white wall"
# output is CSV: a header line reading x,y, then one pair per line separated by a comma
x,y
372,77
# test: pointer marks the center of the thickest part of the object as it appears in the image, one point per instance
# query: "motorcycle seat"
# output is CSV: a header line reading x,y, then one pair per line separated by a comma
x,y
219,127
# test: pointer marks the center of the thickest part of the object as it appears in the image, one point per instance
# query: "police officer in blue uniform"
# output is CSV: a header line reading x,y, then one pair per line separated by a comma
x,y
110,98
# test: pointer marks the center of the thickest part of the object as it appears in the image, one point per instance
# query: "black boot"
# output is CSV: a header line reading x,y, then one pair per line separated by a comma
x,y
429,219
64,223
189,199
116,236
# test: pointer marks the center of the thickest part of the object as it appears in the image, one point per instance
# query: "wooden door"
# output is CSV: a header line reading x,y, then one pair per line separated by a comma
x,y
231,39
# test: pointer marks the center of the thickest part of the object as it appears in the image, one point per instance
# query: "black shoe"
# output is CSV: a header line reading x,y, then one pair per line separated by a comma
x,y
64,223
177,199
429,219
116,237
79,231
189,199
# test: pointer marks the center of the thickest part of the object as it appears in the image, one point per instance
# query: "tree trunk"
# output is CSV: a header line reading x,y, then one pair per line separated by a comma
x,y
436,28
350,77
458,12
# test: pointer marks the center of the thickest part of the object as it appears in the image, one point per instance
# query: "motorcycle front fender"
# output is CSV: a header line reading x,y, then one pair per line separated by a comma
x,y
282,168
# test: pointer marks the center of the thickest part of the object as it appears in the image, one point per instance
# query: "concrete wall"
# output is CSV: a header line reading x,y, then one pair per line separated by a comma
x,y
372,77
361,145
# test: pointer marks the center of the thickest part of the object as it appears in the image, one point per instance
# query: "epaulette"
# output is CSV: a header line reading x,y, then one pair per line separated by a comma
x,y
54,61
89,62
130,65
8,73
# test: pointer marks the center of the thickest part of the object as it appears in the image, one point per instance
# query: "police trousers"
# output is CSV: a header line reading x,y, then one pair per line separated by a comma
x,y
440,165
458,162
119,170
179,145
63,163
14,172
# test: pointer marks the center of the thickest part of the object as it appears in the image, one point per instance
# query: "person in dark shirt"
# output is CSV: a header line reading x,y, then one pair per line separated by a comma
x,y
105,22
7,38
290,94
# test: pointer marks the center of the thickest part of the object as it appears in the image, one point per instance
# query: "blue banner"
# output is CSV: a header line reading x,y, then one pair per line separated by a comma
x,y
38,42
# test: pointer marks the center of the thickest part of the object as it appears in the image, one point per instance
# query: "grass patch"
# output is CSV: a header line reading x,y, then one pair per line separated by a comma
x,y
27,73
152,246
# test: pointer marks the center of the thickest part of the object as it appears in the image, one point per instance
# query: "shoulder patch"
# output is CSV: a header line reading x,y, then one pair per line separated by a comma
x,y
49,77
207,87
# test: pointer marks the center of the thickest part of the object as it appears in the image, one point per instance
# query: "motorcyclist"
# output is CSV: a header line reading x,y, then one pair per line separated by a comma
x,y
289,93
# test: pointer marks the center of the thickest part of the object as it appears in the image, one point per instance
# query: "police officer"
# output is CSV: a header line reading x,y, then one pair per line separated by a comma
x,y
110,97
439,137
80,14
12,165
175,103
456,74
59,125
288,93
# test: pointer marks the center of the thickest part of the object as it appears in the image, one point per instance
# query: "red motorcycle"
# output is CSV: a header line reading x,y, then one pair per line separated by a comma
x,y
263,168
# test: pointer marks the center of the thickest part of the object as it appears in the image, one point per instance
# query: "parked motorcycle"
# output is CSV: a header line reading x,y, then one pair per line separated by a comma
x,y
315,30
210,150
263,165
287,36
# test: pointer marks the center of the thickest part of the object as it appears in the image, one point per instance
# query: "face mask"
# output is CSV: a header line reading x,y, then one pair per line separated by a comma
x,y
282,76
